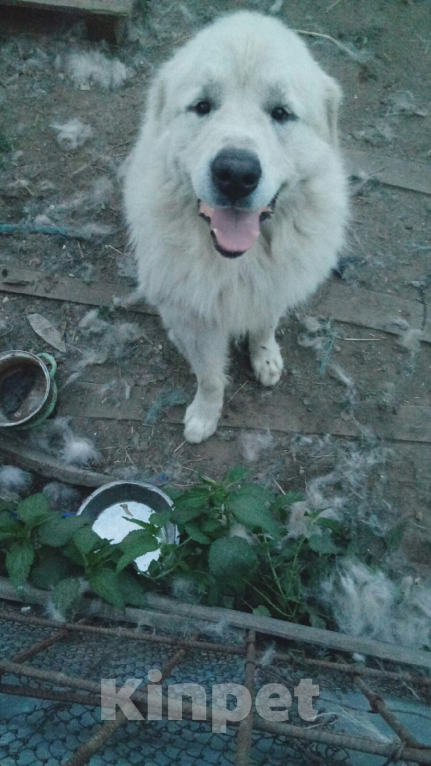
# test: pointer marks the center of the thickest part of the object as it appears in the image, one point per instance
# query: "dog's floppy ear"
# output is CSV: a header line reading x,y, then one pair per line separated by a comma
x,y
332,98
156,98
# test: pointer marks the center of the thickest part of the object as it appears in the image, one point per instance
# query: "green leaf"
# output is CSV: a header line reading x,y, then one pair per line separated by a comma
x,y
232,559
131,589
193,498
161,518
322,544
19,559
139,523
136,544
196,534
86,540
10,527
262,611
282,503
210,525
286,500
104,583
182,516
34,509
172,492
331,524
52,568
57,531
66,594
7,505
236,474
250,507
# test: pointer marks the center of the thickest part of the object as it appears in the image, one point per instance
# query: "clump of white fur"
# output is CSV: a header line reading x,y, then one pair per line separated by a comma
x,y
57,438
92,322
94,199
347,487
14,483
62,497
94,68
220,629
113,338
72,134
239,530
184,589
367,603
59,613
410,339
254,443
404,102
268,656
78,450
116,392
301,523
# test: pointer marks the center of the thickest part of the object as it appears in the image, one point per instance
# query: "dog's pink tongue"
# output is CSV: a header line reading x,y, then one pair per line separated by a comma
x,y
235,230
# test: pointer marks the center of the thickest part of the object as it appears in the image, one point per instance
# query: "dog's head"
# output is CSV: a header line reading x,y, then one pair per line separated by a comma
x,y
243,115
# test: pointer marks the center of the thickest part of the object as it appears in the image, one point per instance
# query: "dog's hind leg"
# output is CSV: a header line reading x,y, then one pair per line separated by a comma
x,y
205,347
265,356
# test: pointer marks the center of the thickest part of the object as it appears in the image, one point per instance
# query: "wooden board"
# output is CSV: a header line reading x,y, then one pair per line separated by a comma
x,y
415,176
114,8
409,423
268,626
365,308
61,288
15,451
337,300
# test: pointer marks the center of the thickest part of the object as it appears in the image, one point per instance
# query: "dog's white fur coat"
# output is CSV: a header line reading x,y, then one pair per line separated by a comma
x,y
246,64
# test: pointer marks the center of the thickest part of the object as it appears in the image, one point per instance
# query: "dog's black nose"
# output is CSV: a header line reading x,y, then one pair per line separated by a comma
x,y
236,173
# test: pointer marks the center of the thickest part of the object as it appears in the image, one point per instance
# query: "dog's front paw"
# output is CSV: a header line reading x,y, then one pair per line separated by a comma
x,y
267,364
200,422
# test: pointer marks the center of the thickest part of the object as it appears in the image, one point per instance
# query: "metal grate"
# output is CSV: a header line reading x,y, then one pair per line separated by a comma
x,y
52,688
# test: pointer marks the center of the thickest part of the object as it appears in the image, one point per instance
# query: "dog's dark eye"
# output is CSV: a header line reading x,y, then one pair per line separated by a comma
x,y
280,114
202,108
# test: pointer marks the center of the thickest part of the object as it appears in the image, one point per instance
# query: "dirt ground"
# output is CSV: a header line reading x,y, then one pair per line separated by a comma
x,y
383,66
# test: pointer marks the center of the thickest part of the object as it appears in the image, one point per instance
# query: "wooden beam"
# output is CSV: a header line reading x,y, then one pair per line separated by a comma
x,y
61,288
268,626
415,176
337,300
16,452
409,423
103,7
366,308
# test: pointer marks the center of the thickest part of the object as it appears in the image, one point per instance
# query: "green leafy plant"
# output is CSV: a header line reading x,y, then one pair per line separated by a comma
x,y
61,554
234,551
254,566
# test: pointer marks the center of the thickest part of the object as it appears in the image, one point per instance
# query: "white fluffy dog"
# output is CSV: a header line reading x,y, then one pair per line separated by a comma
x,y
235,196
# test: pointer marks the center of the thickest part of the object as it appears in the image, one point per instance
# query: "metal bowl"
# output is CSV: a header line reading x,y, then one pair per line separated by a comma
x,y
28,392
110,505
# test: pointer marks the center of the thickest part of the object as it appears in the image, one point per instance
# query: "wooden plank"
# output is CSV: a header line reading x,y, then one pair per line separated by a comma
x,y
410,423
104,7
60,288
268,626
16,452
338,300
366,308
292,631
415,176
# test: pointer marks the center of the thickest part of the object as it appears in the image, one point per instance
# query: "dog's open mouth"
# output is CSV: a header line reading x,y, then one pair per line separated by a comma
x,y
234,231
